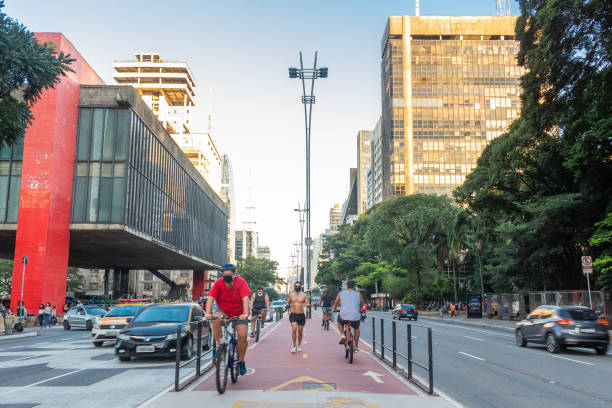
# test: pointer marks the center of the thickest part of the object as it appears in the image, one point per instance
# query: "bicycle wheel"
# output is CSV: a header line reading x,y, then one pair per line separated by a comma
x,y
257,329
234,362
221,368
350,350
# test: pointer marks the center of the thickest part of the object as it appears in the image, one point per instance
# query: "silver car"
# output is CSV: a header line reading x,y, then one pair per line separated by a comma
x,y
83,317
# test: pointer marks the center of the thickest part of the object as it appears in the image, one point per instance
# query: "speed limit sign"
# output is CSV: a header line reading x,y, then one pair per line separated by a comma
x,y
587,265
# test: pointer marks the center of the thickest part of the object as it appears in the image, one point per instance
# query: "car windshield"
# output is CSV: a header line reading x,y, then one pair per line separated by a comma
x,y
126,310
163,314
95,311
404,306
581,314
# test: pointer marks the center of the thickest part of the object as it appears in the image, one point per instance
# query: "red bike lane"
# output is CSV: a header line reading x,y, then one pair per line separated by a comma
x,y
320,365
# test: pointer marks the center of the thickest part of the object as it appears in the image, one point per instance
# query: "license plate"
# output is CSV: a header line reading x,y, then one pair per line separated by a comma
x,y
145,349
111,332
587,330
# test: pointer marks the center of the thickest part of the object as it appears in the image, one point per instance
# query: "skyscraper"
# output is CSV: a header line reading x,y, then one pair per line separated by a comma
x,y
449,86
374,180
335,218
364,138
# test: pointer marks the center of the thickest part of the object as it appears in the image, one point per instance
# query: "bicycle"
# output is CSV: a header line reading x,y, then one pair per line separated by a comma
x,y
227,354
258,324
349,343
326,321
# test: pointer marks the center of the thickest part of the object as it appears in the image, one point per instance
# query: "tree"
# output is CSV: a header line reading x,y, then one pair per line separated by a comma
x,y
602,238
26,69
6,276
258,272
74,280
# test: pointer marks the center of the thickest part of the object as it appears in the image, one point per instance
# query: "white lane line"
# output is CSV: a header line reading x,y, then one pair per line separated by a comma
x,y
467,328
473,338
43,381
576,361
469,355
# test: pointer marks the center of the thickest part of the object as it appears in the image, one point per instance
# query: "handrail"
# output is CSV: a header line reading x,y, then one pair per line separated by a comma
x,y
395,353
199,370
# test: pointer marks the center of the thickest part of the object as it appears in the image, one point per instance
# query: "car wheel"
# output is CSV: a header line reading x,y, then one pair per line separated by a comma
x,y
187,352
601,350
88,325
124,358
551,344
66,325
520,340
98,343
415,319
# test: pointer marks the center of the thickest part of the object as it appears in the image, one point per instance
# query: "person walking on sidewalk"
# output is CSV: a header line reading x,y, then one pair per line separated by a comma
x,y
22,313
350,302
41,315
259,304
9,321
297,301
47,315
452,310
231,293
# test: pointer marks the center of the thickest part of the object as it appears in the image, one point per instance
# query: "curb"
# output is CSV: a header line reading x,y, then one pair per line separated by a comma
x,y
18,336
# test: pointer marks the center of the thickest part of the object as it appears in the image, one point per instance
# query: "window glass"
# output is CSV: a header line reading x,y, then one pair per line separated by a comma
x,y
106,193
109,134
82,169
97,134
4,168
5,153
79,201
119,170
84,136
94,194
13,201
117,202
4,183
581,314
16,168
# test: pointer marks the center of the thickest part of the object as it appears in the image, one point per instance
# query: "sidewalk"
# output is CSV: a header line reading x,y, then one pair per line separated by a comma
x,y
27,332
277,378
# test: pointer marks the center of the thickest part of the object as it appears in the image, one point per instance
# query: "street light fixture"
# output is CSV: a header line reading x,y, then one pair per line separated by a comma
x,y
308,100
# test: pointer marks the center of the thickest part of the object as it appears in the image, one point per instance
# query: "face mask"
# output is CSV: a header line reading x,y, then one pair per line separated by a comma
x,y
298,288
228,278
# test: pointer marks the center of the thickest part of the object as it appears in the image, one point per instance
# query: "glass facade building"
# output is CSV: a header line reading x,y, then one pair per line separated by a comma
x,y
11,160
449,86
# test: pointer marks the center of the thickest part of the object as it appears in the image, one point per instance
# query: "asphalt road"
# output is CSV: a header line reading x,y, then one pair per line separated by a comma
x,y
482,367
63,369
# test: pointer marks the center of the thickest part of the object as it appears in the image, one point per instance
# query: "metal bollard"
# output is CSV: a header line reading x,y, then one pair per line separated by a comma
x,y
394,343
374,336
199,354
177,367
382,339
430,361
409,333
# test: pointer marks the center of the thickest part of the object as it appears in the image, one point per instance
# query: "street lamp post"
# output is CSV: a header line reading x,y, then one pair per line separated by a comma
x,y
308,100
24,261
302,212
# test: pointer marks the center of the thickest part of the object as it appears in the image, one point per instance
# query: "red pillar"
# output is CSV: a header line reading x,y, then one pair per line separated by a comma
x,y
199,284
46,186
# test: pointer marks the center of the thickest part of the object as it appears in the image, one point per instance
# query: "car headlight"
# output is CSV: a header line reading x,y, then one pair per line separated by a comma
x,y
123,337
173,335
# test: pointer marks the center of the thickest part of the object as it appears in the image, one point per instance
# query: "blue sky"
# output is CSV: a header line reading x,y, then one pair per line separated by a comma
x,y
242,50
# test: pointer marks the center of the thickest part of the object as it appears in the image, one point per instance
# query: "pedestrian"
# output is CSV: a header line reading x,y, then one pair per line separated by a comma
x,y
41,315
9,321
2,314
22,313
53,315
298,301
47,317
66,307
452,310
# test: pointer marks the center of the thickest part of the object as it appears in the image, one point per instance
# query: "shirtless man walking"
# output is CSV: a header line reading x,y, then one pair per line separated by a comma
x,y
297,301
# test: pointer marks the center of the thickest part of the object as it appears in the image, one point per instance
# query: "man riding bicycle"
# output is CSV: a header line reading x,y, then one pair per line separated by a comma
x,y
326,305
231,293
260,304
350,302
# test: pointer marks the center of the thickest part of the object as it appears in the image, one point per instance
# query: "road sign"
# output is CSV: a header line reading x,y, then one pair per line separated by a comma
x,y
587,265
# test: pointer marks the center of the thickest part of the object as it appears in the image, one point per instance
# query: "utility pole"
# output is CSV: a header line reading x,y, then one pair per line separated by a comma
x,y
308,100
302,212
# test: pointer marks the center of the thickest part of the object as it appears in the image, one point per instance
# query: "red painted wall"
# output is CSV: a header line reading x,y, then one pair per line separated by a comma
x,y
43,222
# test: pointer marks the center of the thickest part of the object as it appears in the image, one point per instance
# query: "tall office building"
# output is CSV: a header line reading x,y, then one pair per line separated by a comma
x,y
364,138
374,175
335,218
449,86
228,197
247,243
263,252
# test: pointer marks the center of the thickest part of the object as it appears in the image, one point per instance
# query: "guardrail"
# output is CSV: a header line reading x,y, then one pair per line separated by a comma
x,y
408,357
199,370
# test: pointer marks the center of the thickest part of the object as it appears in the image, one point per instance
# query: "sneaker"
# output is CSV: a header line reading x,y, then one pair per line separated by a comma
x,y
342,340
242,367
294,350
299,348
252,335
355,350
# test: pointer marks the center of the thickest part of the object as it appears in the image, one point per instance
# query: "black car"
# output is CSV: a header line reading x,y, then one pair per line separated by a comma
x,y
152,332
405,310
560,326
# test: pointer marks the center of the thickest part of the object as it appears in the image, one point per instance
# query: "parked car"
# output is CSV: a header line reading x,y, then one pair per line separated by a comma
x,y
278,304
561,326
84,317
116,319
153,331
405,310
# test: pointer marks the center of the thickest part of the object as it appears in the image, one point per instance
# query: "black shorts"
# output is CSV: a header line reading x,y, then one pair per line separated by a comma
x,y
354,323
255,312
299,318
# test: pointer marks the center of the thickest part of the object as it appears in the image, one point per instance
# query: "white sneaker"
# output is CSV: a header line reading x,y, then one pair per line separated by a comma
x,y
342,340
299,348
294,350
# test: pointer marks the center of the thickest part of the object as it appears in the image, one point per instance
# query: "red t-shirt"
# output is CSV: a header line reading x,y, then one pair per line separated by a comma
x,y
230,300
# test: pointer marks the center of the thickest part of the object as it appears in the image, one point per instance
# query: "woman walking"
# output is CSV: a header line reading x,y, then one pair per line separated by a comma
x,y
47,315
9,321
53,316
41,315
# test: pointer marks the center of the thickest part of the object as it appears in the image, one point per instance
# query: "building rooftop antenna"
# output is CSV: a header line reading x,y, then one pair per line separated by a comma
x,y
210,110
502,7
416,8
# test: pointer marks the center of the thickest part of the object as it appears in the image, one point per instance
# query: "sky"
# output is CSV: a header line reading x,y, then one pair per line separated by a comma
x,y
242,49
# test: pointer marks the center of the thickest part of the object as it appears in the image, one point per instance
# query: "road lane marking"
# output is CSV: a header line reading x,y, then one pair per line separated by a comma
x,y
305,355
467,328
374,376
303,379
576,361
473,338
469,355
43,381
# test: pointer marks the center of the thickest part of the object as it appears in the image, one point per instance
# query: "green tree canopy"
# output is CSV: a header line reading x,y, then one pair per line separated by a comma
x,y
258,272
26,69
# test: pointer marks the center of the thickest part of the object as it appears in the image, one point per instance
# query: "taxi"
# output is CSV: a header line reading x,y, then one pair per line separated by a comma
x,y
116,319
